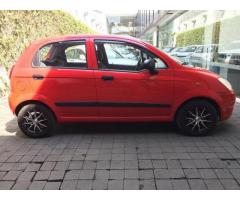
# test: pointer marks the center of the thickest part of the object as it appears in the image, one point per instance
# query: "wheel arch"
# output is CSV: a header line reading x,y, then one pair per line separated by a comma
x,y
27,102
210,100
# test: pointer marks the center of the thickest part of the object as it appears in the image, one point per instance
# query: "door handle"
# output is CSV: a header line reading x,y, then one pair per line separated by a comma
x,y
37,77
107,78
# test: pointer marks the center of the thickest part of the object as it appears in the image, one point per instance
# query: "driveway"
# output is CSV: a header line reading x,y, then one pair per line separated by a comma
x,y
119,156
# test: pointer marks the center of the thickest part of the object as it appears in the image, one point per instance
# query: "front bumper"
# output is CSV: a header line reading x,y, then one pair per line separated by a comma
x,y
227,105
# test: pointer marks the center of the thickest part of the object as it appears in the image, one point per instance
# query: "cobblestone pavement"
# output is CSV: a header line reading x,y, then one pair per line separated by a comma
x,y
119,156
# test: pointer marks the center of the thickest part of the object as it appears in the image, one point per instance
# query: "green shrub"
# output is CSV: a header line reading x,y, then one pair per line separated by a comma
x,y
196,36
19,28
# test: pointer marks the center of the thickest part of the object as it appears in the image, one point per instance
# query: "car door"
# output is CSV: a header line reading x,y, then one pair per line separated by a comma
x,y
123,90
62,75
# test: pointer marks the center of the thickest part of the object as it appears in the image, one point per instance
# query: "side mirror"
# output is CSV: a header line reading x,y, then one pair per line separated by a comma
x,y
149,64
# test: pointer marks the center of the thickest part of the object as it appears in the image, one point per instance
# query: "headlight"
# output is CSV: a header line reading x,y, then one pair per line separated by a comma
x,y
225,83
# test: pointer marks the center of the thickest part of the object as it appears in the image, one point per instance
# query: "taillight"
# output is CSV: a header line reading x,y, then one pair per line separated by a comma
x,y
10,71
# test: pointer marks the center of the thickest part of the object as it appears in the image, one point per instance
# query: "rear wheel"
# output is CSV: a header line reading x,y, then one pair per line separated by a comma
x,y
36,120
197,117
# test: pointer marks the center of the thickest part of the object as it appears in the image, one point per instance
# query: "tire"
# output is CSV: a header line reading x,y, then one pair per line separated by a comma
x,y
36,120
197,117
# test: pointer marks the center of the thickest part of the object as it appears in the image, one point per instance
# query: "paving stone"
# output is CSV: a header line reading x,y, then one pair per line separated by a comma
x,y
103,164
84,185
52,186
115,184
117,164
42,175
213,184
26,176
146,174
100,184
102,174
21,185
159,164
61,166
207,174
33,167
69,185
37,185
230,184
6,185
116,174
48,166
162,174
201,164
197,184
130,156
7,166
89,165
27,158
223,173
147,185
14,158
164,184
192,173
86,174
11,176
131,174
2,174
131,184
187,164
145,164
216,163
176,173
180,184
131,164
72,175
173,164
56,175
75,165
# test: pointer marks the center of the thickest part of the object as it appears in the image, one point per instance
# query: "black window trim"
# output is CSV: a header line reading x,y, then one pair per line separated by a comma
x,y
130,44
84,41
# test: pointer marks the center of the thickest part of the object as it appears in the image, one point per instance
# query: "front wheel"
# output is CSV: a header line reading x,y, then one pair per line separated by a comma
x,y
36,120
197,117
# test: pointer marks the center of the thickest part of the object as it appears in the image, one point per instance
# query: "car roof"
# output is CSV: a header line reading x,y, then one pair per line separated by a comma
x,y
85,36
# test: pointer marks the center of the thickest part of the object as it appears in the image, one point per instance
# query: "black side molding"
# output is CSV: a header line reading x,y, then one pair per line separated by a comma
x,y
111,104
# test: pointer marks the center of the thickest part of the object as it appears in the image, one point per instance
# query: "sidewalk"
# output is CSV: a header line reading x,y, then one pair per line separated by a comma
x,y
119,156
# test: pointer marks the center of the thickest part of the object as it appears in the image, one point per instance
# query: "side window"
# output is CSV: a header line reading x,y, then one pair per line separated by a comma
x,y
76,54
62,55
123,57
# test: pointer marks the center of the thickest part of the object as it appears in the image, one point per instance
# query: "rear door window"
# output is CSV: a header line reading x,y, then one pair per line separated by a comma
x,y
62,55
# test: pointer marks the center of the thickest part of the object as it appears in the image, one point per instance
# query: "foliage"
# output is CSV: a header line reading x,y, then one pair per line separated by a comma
x,y
19,28
196,36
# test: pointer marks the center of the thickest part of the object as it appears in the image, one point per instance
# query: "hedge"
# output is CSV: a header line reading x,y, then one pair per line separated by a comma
x,y
19,28
196,36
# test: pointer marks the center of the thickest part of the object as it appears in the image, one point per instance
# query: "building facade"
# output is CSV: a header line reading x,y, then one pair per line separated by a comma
x,y
218,29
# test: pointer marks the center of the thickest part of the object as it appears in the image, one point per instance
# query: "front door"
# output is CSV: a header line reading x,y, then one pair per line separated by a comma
x,y
125,91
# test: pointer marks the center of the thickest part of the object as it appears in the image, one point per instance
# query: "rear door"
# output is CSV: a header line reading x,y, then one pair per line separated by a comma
x,y
63,75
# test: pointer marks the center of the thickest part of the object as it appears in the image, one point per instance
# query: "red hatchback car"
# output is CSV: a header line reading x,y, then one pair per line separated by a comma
x,y
112,78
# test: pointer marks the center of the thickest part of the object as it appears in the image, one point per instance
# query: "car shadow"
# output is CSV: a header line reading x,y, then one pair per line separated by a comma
x,y
131,128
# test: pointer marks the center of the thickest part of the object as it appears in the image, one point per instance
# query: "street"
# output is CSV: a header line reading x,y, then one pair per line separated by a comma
x,y
119,156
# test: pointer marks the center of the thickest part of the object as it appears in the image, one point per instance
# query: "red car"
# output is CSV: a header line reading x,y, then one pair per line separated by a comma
x,y
112,78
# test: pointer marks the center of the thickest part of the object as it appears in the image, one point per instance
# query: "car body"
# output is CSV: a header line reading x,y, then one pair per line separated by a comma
x,y
185,53
175,51
167,49
203,55
229,57
105,87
